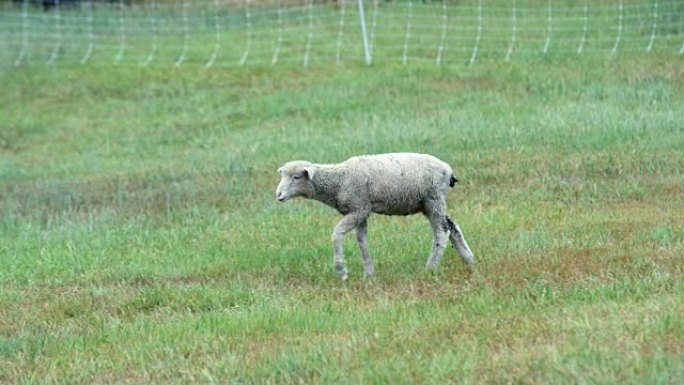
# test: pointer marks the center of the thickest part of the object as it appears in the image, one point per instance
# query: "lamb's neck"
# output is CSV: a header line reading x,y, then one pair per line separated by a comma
x,y
327,184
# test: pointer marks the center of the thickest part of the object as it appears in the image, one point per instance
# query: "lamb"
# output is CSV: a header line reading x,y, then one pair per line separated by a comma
x,y
389,184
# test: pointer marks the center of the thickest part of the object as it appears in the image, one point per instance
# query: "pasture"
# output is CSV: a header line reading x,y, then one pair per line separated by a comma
x,y
141,241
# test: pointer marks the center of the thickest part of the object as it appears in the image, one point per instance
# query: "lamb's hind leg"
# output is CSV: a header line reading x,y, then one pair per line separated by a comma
x,y
434,211
348,223
362,239
460,244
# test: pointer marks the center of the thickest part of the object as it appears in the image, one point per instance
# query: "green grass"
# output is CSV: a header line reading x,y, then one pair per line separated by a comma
x,y
141,241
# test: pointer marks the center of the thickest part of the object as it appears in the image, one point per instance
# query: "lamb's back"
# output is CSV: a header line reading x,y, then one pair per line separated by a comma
x,y
398,183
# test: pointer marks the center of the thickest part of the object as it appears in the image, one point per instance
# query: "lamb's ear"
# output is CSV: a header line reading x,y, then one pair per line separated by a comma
x,y
309,171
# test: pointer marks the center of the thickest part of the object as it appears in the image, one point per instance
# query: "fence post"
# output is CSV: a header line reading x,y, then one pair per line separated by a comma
x,y
366,47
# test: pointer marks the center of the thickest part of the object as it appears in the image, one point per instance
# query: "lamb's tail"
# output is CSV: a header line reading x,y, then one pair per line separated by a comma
x,y
460,244
452,181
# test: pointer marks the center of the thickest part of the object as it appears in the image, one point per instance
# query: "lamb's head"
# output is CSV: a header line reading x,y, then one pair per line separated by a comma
x,y
295,180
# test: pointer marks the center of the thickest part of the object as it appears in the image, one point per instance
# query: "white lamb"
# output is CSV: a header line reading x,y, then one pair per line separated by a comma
x,y
390,184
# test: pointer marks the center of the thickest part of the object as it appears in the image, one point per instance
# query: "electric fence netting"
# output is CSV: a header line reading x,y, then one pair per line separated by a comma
x,y
308,32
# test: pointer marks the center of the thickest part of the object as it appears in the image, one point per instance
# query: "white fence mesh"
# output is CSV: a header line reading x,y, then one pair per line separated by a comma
x,y
271,32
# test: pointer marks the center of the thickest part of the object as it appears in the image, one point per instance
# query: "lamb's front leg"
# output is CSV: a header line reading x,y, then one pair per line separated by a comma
x,y
348,223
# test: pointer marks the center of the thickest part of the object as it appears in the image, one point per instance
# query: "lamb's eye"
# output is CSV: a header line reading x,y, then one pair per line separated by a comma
x,y
296,177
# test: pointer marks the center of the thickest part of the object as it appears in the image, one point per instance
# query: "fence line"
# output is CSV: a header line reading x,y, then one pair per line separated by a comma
x,y
186,34
155,34
248,45
340,33
24,33
407,37
91,36
279,40
122,34
619,34
217,44
445,22
213,31
585,23
58,28
374,24
655,26
364,33
513,33
476,47
309,36
549,27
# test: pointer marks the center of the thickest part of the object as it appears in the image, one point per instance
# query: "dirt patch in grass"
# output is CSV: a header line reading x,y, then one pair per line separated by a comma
x,y
562,266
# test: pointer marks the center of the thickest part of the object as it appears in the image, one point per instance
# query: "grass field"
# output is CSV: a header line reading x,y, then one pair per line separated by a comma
x,y
141,241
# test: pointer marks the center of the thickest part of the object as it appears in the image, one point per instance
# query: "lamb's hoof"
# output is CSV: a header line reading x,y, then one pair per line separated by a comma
x,y
432,270
367,275
342,272
471,267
